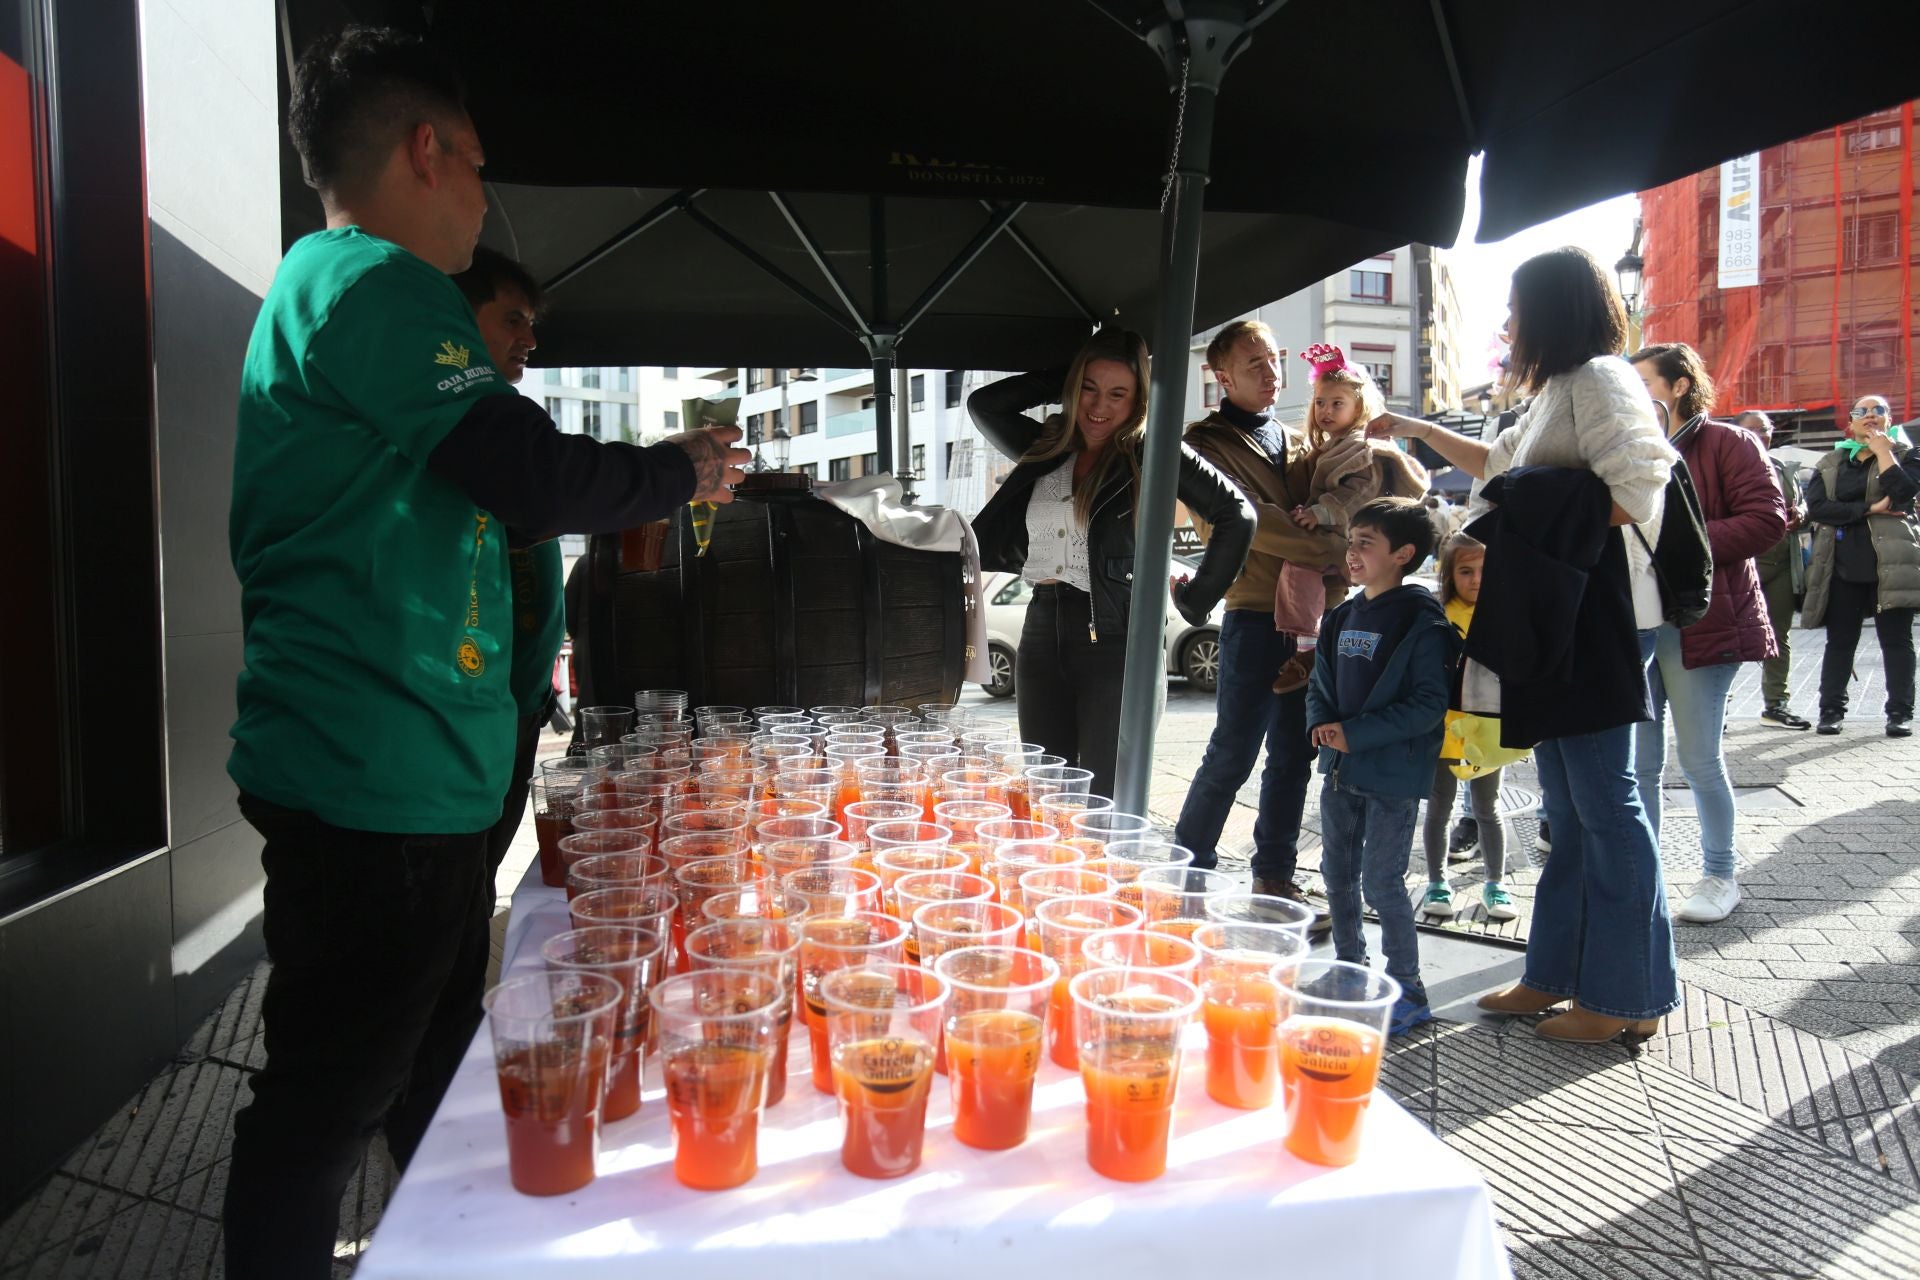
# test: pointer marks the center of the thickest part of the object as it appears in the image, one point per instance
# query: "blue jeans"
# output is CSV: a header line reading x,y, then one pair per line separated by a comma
x,y
1365,843
1247,713
1600,931
1699,701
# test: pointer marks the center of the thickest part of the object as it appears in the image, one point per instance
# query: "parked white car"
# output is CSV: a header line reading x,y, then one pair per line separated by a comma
x,y
1192,652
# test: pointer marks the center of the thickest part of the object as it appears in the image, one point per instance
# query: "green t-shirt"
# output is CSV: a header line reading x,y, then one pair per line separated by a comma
x,y
374,595
539,622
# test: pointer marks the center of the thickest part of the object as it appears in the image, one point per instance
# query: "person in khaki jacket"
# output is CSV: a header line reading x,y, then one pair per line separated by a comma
x,y
1268,462
1866,560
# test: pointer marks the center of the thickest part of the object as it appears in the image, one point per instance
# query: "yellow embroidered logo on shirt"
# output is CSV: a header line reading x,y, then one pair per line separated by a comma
x,y
471,661
450,354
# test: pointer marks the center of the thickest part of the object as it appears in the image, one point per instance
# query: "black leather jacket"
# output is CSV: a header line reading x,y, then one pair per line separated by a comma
x,y
998,409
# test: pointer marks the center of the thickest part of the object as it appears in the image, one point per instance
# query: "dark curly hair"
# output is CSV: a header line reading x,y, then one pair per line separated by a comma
x,y
359,91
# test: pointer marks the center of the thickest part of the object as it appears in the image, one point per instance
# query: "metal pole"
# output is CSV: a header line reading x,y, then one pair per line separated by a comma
x,y
884,338
903,410
1202,61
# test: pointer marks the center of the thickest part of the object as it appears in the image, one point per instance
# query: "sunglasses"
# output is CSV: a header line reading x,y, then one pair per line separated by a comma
x,y
1859,412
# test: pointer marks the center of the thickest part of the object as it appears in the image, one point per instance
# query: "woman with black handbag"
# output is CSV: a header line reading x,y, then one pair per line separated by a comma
x,y
1866,560
1692,670
1599,934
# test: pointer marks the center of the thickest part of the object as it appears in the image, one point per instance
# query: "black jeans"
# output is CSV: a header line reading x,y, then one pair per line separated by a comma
x,y
1849,605
1068,685
379,951
500,838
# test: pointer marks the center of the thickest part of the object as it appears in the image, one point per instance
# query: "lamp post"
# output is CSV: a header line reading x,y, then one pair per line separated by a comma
x,y
783,430
1631,269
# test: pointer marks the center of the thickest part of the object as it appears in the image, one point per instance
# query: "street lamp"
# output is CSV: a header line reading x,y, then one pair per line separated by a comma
x,y
783,430
1632,270
1486,404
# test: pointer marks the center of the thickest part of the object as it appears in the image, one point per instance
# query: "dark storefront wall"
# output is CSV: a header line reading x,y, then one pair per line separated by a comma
x,y
118,937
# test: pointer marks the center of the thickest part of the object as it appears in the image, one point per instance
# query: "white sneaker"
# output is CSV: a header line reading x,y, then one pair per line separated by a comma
x,y
1713,900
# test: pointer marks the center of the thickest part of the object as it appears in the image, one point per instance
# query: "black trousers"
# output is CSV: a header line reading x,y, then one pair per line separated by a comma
x,y
1068,685
379,951
1849,605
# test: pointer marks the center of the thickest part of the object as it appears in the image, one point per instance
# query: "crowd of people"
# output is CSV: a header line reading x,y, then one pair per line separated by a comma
x,y
394,505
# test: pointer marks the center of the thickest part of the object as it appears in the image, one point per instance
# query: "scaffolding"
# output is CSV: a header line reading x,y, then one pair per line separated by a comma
x,y
1832,318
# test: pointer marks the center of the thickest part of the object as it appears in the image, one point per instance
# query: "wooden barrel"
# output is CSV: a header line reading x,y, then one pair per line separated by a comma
x,y
795,603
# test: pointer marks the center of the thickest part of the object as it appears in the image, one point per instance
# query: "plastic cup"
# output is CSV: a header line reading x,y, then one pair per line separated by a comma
x,y
1094,830
555,801
784,856
755,902
552,1036
716,1048
883,1027
728,783
822,786
989,785
1136,949
591,844
1011,861
834,891
1127,1027
940,927
995,1038
891,778
638,908
863,817
765,809
1064,923
730,822
617,870
1260,908
581,770
633,958
601,725
638,819
1069,881
1058,779
964,818
805,828
1175,898
698,881
770,948
828,944
1060,810
1333,1028
1126,860
1241,1008
917,889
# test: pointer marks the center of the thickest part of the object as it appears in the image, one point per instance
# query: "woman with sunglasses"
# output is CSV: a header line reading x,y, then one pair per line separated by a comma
x,y
1064,520
1866,560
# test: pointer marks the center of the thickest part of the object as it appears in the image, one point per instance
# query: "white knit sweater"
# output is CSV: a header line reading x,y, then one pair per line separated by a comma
x,y
1600,418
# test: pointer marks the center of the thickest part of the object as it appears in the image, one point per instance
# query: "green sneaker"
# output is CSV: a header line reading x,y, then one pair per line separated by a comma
x,y
1438,902
1497,902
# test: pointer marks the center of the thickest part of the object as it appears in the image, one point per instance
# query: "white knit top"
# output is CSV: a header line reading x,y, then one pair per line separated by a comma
x,y
1056,540
1599,417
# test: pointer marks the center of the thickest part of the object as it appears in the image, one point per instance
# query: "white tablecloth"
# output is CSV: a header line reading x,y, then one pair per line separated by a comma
x,y
1232,1197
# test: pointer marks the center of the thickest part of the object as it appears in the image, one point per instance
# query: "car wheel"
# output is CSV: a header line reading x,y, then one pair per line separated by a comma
x,y
1200,661
1000,663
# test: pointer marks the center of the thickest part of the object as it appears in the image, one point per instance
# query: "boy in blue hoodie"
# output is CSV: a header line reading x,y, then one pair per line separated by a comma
x,y
1376,704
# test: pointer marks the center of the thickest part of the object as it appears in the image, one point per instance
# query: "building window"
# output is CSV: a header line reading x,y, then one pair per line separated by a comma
x,y
590,418
956,383
866,402
623,379
590,378
949,460
1876,352
869,464
840,469
1378,361
1884,138
670,419
809,414
1370,286
1872,239
920,460
1283,368
553,408
755,432
756,379
1209,388
917,387
623,421
670,371
811,470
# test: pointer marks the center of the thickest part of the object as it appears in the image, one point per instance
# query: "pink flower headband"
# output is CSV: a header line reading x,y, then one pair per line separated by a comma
x,y
1327,358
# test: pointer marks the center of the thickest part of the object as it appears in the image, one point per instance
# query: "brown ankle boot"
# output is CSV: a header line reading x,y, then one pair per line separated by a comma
x,y
1583,1026
1520,999
1294,673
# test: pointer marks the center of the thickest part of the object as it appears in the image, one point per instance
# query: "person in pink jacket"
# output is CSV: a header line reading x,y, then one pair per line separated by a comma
x,y
1692,670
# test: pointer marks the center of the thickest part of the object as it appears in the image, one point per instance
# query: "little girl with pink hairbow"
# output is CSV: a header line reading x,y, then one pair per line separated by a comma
x,y
1349,468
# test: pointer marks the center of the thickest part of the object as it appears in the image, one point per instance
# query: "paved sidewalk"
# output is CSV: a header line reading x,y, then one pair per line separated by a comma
x,y
1771,1130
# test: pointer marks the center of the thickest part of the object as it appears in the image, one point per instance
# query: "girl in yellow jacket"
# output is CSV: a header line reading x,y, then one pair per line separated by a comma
x,y
1461,560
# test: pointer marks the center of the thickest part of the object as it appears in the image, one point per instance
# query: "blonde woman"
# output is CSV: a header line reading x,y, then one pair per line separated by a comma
x,y
1064,520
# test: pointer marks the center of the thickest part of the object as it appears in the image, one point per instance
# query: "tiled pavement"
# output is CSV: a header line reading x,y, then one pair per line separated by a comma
x,y
1770,1130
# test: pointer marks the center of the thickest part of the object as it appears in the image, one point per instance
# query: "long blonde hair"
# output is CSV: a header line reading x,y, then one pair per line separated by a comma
x,y
1062,433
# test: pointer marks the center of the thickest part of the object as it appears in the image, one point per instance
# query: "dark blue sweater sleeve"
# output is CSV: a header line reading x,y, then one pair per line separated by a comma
x,y
507,456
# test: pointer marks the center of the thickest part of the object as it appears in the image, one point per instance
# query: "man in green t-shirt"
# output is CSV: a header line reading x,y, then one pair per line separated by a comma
x,y
379,461
506,302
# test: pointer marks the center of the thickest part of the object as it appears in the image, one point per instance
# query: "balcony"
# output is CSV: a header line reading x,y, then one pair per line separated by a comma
x,y
841,375
849,424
